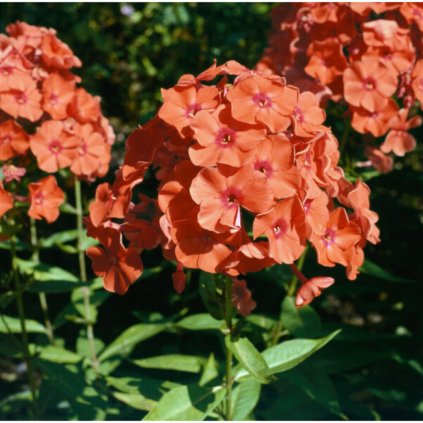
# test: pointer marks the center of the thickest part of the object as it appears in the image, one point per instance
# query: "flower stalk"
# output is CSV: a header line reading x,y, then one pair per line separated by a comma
x,y
41,296
83,275
228,352
25,342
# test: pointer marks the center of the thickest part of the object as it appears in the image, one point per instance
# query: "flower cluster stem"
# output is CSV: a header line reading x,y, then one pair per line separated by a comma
x,y
228,352
42,296
25,342
83,275
294,280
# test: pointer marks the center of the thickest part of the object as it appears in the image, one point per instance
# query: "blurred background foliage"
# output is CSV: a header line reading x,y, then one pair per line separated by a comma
x,y
373,370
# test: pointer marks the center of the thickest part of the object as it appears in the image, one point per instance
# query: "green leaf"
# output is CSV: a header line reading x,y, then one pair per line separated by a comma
x,y
301,322
59,238
316,383
289,354
123,345
211,299
45,272
177,362
210,371
136,401
248,356
245,398
201,321
189,403
14,325
68,379
59,355
372,269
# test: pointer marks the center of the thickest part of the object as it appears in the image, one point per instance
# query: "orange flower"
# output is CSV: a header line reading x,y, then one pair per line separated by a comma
x,y
327,60
91,148
22,99
57,94
221,139
341,235
13,140
417,83
179,279
182,103
241,297
221,193
84,107
311,289
45,197
369,83
6,200
54,148
56,54
308,116
398,140
109,202
268,101
366,218
377,122
274,158
285,230
117,266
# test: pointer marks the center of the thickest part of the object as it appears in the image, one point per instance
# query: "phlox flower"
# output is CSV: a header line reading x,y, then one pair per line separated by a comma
x,y
53,146
57,94
6,200
118,266
45,197
180,105
264,100
311,289
241,297
369,83
13,173
284,227
340,235
221,139
13,140
221,192
22,99
398,140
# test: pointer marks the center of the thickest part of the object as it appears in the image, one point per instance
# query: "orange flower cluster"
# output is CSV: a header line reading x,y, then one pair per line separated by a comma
x,y
367,56
248,176
43,112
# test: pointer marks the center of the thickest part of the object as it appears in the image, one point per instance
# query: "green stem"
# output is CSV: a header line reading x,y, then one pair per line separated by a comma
x,y
83,275
294,280
228,352
25,342
42,296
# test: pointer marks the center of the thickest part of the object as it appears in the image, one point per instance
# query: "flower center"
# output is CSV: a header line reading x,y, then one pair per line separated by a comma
x,y
329,237
5,140
262,100
55,147
264,167
21,98
191,110
54,99
6,70
39,198
298,114
225,137
231,197
82,149
369,84
279,228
